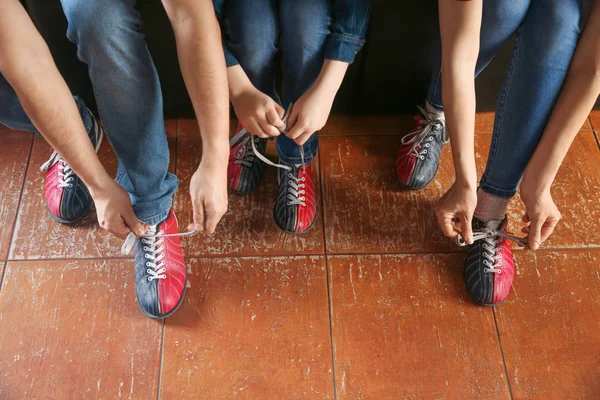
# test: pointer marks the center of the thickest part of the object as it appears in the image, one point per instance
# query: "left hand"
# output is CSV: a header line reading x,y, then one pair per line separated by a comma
x,y
208,189
310,113
541,214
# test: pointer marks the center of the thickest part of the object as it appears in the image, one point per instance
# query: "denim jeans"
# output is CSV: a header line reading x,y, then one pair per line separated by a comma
x,y
306,32
110,40
13,116
547,33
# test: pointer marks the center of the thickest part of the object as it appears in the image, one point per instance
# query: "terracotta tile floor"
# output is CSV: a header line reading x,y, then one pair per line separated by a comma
x,y
370,304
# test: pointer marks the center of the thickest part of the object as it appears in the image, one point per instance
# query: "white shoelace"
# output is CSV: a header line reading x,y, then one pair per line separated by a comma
x,y
493,239
417,137
150,234
296,185
153,248
65,173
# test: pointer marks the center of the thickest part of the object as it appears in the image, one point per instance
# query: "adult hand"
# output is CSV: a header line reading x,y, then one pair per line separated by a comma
x,y
455,211
208,189
541,214
114,210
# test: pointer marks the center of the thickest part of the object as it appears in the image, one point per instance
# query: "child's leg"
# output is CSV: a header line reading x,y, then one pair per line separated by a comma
x,y
545,44
304,33
500,20
251,34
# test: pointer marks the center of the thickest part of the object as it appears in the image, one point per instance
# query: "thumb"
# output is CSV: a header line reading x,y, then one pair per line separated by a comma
x,y
133,223
535,233
198,217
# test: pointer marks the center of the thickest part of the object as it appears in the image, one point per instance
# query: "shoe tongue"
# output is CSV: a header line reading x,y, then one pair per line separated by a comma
x,y
494,224
152,229
432,110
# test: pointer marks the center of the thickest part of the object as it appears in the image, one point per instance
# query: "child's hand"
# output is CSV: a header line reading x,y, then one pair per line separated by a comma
x,y
258,113
309,113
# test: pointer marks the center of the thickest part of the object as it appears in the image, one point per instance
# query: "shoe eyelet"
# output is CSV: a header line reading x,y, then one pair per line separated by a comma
x,y
149,279
148,264
422,158
149,271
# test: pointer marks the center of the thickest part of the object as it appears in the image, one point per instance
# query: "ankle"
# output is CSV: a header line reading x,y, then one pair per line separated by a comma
x,y
490,207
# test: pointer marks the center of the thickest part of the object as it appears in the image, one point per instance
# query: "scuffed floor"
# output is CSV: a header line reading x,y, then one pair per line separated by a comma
x,y
370,304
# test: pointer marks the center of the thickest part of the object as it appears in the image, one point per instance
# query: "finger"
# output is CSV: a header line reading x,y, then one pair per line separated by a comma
x,y
525,230
133,223
119,229
255,129
269,129
466,229
535,234
548,228
292,122
303,138
274,116
525,218
296,131
198,216
212,219
447,227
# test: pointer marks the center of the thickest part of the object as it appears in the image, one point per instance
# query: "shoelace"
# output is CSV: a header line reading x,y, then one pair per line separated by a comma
x,y
295,188
65,173
153,248
151,234
417,137
493,239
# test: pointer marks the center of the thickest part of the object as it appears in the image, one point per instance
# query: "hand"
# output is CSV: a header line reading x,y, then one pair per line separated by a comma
x,y
309,113
457,204
114,210
258,113
208,189
541,214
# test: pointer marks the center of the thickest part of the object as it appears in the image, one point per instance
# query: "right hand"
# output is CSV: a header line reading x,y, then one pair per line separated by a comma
x,y
114,211
455,211
258,113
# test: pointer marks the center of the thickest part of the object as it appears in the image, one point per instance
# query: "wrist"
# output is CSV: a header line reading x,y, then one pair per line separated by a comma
x,y
99,183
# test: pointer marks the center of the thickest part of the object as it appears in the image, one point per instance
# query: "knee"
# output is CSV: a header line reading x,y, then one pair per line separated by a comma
x,y
306,31
255,46
97,24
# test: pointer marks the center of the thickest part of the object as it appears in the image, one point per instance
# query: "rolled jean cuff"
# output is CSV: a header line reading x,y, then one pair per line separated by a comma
x,y
230,59
309,155
506,194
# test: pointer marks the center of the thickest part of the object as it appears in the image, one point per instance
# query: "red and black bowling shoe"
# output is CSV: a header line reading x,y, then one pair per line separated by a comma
x,y
245,170
160,272
418,159
489,268
67,197
296,207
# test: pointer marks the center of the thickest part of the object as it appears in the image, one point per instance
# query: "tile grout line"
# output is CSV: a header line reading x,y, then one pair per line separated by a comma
x,y
12,235
162,335
502,354
211,256
329,308
160,362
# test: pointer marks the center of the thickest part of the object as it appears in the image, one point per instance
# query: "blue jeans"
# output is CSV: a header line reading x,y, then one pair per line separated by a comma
x,y
13,116
547,33
110,40
256,30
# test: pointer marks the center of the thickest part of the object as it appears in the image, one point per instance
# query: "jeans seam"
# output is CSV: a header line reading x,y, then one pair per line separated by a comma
x,y
496,137
437,84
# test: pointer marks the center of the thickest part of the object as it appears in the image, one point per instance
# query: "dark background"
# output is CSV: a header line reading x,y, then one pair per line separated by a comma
x,y
389,76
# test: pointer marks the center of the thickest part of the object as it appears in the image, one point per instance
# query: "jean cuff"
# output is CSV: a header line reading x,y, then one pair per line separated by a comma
x,y
503,193
156,218
230,59
343,47
308,156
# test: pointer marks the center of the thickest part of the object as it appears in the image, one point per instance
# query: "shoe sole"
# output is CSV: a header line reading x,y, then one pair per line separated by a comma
x,y
72,221
170,312
312,224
